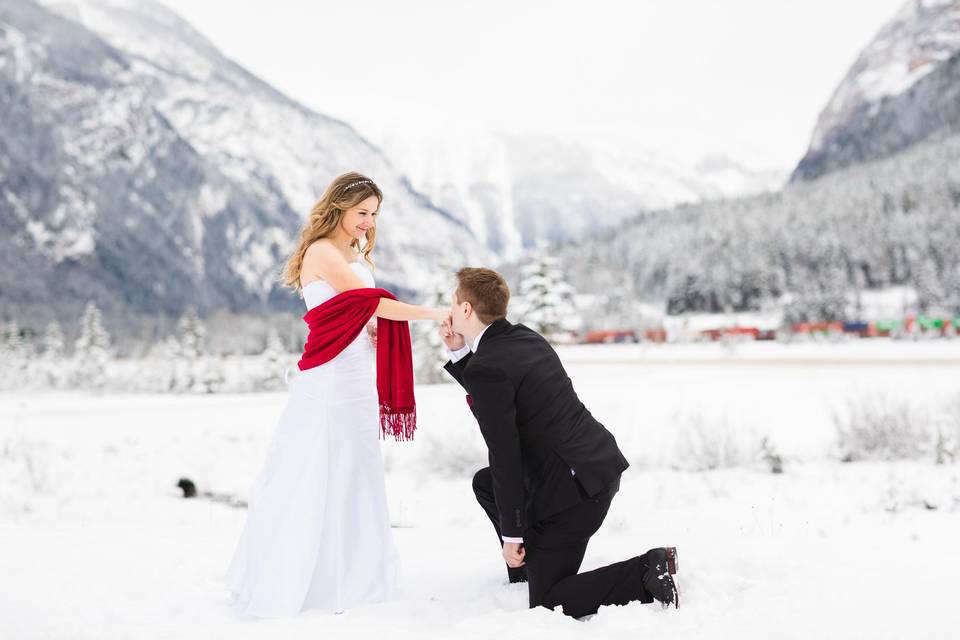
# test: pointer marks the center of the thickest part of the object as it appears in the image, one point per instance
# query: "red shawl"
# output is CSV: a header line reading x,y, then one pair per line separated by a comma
x,y
337,322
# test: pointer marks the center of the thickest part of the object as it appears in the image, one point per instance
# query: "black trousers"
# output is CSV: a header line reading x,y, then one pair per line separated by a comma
x,y
555,547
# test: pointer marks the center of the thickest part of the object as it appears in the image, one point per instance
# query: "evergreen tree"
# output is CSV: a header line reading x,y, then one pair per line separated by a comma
x,y
92,349
274,361
545,300
429,351
930,292
951,288
54,344
53,363
14,359
191,339
192,334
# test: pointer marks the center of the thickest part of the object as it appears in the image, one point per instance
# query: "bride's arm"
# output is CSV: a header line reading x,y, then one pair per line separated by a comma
x,y
326,260
396,310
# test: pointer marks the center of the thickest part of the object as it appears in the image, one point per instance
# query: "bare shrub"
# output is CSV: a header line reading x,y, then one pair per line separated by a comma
x,y
702,447
771,456
877,428
948,432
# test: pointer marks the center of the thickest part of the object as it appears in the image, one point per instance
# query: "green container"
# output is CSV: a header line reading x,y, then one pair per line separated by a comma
x,y
888,325
930,323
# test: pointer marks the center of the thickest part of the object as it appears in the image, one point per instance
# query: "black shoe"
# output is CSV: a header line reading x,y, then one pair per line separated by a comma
x,y
658,577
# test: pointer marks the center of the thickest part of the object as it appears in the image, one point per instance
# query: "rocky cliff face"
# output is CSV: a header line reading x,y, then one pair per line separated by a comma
x,y
904,88
143,170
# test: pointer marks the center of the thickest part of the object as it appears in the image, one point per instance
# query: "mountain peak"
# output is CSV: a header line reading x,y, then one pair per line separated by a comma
x,y
875,96
148,173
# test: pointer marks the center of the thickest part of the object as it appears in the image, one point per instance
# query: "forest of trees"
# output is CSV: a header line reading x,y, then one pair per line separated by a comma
x,y
809,248
183,362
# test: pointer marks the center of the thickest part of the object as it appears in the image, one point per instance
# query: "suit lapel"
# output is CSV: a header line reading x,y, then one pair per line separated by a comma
x,y
496,328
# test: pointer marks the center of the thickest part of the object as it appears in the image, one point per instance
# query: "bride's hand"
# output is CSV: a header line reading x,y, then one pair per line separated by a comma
x,y
439,315
454,341
372,332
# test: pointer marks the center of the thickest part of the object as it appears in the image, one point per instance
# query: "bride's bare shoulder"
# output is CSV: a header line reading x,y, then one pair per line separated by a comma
x,y
323,261
322,251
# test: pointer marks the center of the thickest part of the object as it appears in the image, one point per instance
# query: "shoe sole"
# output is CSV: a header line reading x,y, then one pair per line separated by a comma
x,y
672,563
673,566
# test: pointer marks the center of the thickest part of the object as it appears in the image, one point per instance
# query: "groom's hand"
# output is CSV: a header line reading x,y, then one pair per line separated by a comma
x,y
453,340
514,553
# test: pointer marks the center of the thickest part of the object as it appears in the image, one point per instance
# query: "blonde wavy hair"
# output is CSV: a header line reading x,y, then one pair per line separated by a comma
x,y
346,191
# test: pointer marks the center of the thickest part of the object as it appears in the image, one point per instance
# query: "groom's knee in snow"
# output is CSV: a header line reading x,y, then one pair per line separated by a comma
x,y
482,481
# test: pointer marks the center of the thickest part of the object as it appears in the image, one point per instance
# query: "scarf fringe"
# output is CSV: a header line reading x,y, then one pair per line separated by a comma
x,y
400,423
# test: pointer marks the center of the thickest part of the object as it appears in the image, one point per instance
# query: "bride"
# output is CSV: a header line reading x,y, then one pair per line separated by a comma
x,y
317,534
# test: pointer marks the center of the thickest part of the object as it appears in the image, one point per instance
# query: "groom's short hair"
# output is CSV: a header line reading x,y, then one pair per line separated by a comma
x,y
486,290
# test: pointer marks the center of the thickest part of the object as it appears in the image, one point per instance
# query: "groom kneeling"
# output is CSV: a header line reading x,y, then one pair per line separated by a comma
x,y
554,469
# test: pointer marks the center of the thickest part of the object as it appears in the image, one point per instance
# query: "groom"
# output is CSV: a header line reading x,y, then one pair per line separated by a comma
x,y
553,468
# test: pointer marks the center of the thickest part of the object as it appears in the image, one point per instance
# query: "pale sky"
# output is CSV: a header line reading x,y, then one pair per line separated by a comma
x,y
743,78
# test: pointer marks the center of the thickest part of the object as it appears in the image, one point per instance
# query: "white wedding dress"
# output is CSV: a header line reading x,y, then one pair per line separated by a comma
x,y
317,534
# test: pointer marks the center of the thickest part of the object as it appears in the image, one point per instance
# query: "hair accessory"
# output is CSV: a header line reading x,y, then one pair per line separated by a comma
x,y
353,184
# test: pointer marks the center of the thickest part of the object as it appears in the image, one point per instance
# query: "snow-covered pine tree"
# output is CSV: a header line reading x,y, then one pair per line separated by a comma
x,y
429,351
92,351
951,288
824,292
192,334
930,292
273,361
210,375
55,367
191,337
12,356
54,344
545,300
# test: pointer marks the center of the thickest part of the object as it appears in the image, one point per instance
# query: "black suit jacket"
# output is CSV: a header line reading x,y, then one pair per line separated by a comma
x,y
535,427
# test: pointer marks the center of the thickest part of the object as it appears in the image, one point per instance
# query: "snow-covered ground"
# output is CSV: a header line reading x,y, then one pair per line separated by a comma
x,y
96,543
803,350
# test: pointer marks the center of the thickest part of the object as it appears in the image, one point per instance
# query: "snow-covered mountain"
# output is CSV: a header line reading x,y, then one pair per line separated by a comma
x,y
882,215
142,169
516,189
903,88
811,250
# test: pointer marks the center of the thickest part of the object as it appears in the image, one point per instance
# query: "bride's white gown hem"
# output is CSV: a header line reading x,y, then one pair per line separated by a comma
x,y
317,534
